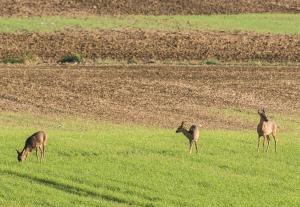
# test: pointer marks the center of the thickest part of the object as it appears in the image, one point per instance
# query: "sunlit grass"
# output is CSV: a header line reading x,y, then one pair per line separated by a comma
x,y
103,164
273,23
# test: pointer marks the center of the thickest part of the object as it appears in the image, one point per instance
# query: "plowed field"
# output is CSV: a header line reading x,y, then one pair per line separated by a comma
x,y
160,96
157,45
154,7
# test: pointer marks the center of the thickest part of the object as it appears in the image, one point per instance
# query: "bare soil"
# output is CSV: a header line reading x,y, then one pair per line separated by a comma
x,y
153,45
147,7
151,95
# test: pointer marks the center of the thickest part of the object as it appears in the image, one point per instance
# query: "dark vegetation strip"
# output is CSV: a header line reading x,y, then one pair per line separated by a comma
x,y
149,46
147,7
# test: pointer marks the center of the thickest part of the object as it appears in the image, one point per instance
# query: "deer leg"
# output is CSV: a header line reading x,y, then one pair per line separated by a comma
x,y
274,141
41,153
264,142
258,140
191,144
36,153
196,147
268,139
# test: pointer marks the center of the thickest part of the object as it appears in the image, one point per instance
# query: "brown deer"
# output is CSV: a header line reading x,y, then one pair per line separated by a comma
x,y
192,134
36,141
265,127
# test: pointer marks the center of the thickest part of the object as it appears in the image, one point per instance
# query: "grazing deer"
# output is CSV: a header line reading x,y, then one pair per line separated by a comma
x,y
36,141
192,134
265,127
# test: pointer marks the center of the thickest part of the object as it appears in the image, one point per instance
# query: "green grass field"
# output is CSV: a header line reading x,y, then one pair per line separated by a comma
x,y
103,164
273,23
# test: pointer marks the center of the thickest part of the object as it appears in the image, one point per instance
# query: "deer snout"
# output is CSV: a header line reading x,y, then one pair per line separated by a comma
x,y
19,156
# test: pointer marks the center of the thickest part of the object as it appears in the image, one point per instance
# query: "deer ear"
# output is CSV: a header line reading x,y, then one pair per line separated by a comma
x,y
263,110
18,151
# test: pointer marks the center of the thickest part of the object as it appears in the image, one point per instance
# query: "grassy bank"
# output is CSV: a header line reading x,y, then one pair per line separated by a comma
x,y
263,23
103,164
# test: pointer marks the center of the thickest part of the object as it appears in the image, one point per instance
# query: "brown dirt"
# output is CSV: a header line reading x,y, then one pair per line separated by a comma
x,y
148,7
152,95
157,45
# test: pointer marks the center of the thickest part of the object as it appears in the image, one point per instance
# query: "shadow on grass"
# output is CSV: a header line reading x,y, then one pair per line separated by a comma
x,y
71,189
144,195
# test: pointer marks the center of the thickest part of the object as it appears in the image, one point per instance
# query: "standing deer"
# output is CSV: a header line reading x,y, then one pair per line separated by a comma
x,y
36,141
265,127
192,134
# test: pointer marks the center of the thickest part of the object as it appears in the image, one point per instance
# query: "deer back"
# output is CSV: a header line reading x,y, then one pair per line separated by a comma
x,y
36,140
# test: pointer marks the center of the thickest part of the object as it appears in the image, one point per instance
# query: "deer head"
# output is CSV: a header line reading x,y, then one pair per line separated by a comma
x,y
262,114
180,128
21,156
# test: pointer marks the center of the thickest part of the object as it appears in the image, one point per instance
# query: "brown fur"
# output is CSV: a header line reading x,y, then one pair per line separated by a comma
x,y
266,127
192,135
36,141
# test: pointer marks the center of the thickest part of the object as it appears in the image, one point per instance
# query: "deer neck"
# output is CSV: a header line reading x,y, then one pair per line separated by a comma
x,y
187,134
25,151
261,121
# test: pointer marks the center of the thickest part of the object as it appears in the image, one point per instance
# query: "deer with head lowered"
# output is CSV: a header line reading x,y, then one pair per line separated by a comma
x,y
265,128
192,134
36,141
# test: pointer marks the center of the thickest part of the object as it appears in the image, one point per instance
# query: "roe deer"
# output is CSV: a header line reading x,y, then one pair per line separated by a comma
x,y
192,134
265,127
36,141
